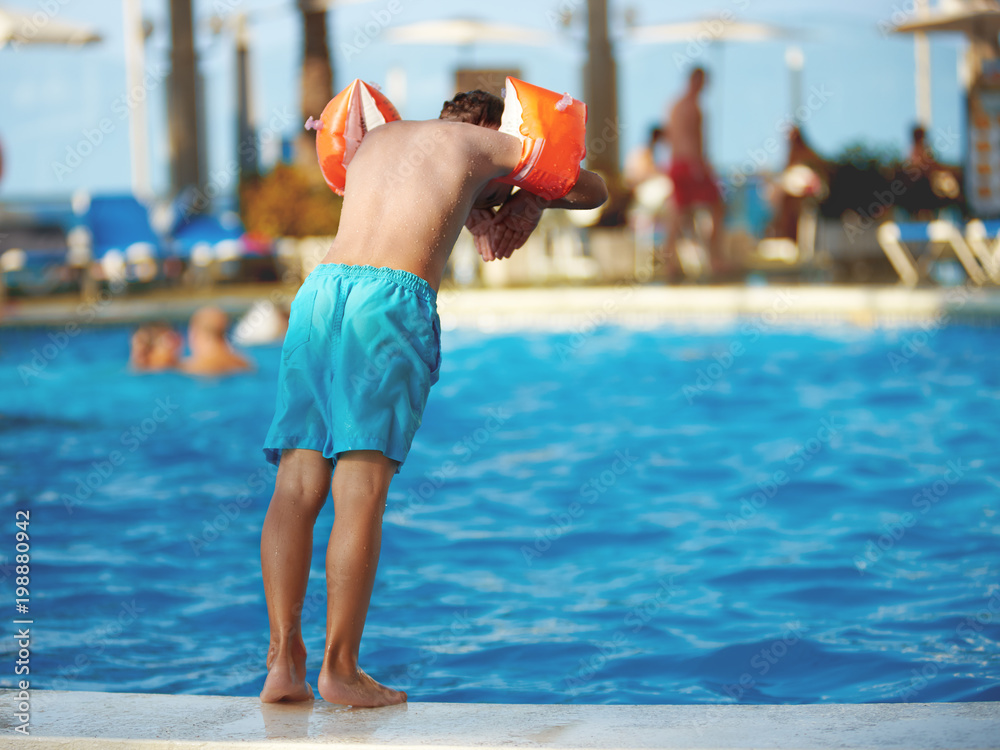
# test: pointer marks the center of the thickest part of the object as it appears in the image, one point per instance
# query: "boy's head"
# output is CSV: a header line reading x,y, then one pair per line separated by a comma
x,y
474,107
479,108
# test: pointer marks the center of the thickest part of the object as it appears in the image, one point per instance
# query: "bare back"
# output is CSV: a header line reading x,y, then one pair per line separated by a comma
x,y
685,129
409,190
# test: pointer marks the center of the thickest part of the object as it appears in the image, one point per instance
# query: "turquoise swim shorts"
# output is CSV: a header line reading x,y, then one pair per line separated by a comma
x,y
363,349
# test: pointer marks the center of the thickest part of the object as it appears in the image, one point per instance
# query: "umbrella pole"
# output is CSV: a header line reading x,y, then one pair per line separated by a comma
x,y
922,61
922,58
135,69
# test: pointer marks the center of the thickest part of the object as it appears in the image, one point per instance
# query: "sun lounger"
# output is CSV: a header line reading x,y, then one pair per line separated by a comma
x,y
983,238
936,236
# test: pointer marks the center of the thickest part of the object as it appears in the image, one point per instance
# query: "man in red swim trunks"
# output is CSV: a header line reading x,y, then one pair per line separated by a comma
x,y
694,181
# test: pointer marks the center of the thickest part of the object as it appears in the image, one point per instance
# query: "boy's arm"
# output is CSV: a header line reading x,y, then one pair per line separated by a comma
x,y
588,192
517,218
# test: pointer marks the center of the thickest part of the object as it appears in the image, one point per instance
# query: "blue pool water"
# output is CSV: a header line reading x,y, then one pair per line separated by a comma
x,y
615,517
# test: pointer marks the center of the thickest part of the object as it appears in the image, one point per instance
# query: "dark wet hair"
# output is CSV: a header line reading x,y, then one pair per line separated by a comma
x,y
474,107
919,134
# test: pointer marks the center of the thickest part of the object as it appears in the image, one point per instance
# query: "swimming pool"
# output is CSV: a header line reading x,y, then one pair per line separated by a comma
x,y
610,516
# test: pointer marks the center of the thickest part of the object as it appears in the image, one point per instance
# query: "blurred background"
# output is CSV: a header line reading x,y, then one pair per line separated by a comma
x,y
162,142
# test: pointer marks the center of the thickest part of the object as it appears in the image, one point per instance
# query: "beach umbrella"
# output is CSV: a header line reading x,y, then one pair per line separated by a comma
x,y
17,28
464,33
708,30
977,18
468,31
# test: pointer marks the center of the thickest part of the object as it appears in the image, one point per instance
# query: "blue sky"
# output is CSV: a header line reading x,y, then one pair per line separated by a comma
x,y
862,79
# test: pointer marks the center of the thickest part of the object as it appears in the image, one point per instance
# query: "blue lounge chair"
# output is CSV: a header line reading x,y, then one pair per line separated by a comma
x,y
122,235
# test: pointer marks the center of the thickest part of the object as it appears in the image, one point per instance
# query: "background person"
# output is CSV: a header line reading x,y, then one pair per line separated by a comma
x,y
155,347
211,353
691,174
806,176
642,162
932,185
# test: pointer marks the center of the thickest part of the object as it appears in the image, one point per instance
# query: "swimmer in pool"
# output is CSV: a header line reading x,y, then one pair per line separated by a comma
x,y
360,355
211,352
155,347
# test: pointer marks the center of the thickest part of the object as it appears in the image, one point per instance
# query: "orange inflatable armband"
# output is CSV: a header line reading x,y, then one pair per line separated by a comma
x,y
552,129
348,117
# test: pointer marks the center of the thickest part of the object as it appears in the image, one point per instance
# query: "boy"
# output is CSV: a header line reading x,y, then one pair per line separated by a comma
x,y
360,355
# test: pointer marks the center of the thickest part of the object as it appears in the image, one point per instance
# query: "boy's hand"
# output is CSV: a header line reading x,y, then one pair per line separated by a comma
x,y
480,223
514,223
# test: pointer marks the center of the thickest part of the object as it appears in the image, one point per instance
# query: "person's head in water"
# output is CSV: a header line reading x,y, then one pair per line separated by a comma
x,y
919,135
207,329
156,346
474,107
211,353
479,108
696,79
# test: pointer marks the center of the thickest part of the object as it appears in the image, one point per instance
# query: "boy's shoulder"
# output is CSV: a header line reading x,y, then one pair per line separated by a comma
x,y
450,151
438,129
459,139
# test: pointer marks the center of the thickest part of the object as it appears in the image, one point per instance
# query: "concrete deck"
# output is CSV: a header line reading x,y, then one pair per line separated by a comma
x,y
572,308
65,720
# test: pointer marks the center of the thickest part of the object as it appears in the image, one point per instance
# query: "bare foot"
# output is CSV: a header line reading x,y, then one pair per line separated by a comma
x,y
285,681
358,690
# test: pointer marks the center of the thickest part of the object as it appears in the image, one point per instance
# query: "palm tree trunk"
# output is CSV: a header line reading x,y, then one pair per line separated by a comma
x,y
317,74
183,121
601,95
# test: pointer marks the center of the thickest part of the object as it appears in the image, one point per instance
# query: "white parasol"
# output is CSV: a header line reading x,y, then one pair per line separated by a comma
x,y
40,27
708,30
468,31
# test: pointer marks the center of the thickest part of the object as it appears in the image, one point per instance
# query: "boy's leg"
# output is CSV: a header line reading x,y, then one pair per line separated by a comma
x,y
360,485
300,491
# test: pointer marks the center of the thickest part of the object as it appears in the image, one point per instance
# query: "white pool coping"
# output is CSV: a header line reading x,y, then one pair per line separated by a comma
x,y
582,307
70,720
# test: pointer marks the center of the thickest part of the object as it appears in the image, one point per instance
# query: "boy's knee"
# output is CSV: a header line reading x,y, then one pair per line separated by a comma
x,y
309,501
364,499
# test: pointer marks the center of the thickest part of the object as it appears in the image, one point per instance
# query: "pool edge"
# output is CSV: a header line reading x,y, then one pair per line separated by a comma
x,y
91,720
572,308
